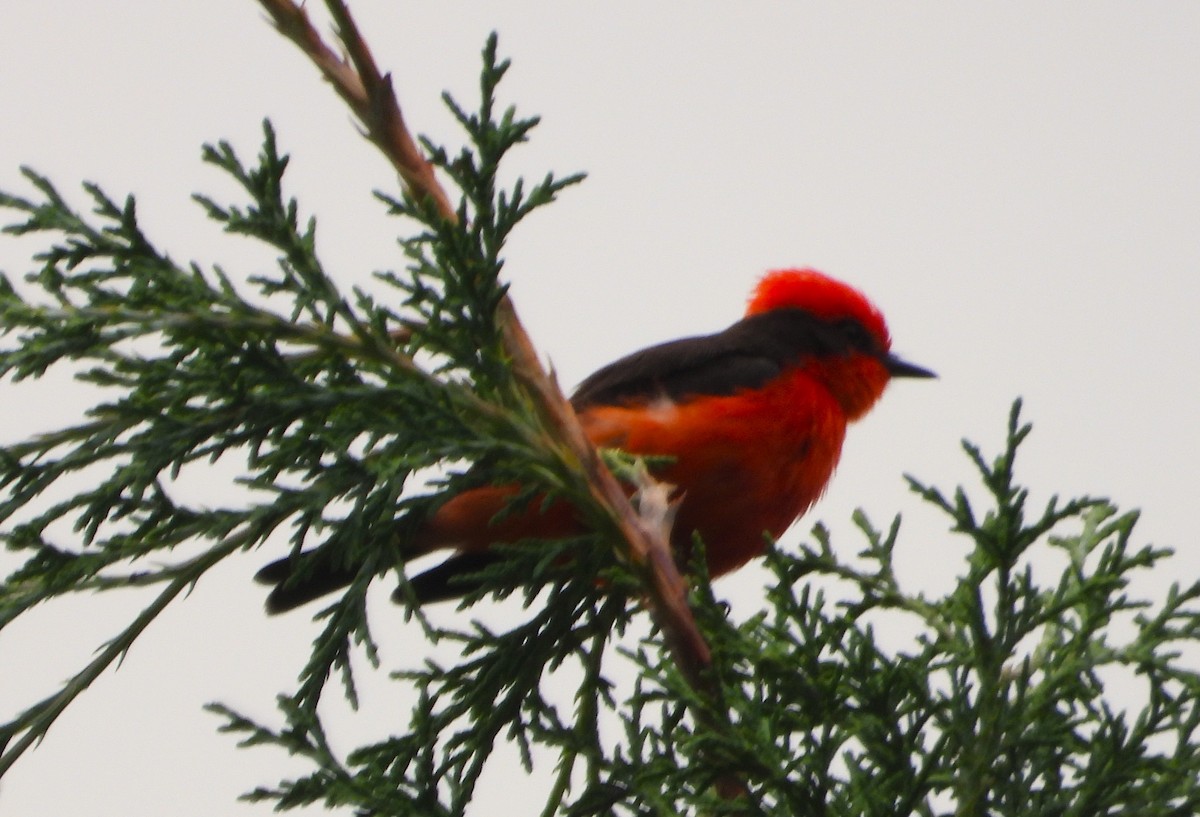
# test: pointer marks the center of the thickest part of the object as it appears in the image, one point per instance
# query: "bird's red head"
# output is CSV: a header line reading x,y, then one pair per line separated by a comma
x,y
820,295
857,373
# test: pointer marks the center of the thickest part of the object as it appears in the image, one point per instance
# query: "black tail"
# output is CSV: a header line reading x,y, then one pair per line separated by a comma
x,y
308,576
300,579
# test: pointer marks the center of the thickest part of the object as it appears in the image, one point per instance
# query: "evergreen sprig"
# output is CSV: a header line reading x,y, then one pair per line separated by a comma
x,y
995,702
317,391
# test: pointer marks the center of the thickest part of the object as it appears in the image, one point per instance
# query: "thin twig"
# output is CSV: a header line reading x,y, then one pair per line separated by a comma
x,y
369,93
33,723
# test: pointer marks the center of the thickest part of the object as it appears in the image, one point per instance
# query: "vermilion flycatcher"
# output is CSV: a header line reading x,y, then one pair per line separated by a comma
x,y
753,419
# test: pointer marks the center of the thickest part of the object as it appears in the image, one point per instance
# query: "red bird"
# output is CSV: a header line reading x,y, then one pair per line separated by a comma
x,y
753,418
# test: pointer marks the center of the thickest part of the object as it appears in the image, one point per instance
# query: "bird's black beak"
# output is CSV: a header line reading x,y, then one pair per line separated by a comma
x,y
899,368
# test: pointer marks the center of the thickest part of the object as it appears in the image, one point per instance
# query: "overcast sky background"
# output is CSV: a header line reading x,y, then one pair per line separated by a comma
x,y
1017,186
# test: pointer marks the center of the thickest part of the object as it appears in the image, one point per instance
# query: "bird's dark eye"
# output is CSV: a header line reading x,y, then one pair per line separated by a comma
x,y
856,336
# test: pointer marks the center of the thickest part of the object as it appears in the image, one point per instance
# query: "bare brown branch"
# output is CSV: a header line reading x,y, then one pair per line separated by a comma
x,y
369,93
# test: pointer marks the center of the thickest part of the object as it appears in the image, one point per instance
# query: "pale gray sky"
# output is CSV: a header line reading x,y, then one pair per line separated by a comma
x,y
1017,186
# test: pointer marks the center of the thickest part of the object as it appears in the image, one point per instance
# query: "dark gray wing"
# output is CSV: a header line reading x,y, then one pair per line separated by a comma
x,y
744,356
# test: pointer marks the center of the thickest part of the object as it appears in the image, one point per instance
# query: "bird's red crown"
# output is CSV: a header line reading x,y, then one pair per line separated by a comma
x,y
820,295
